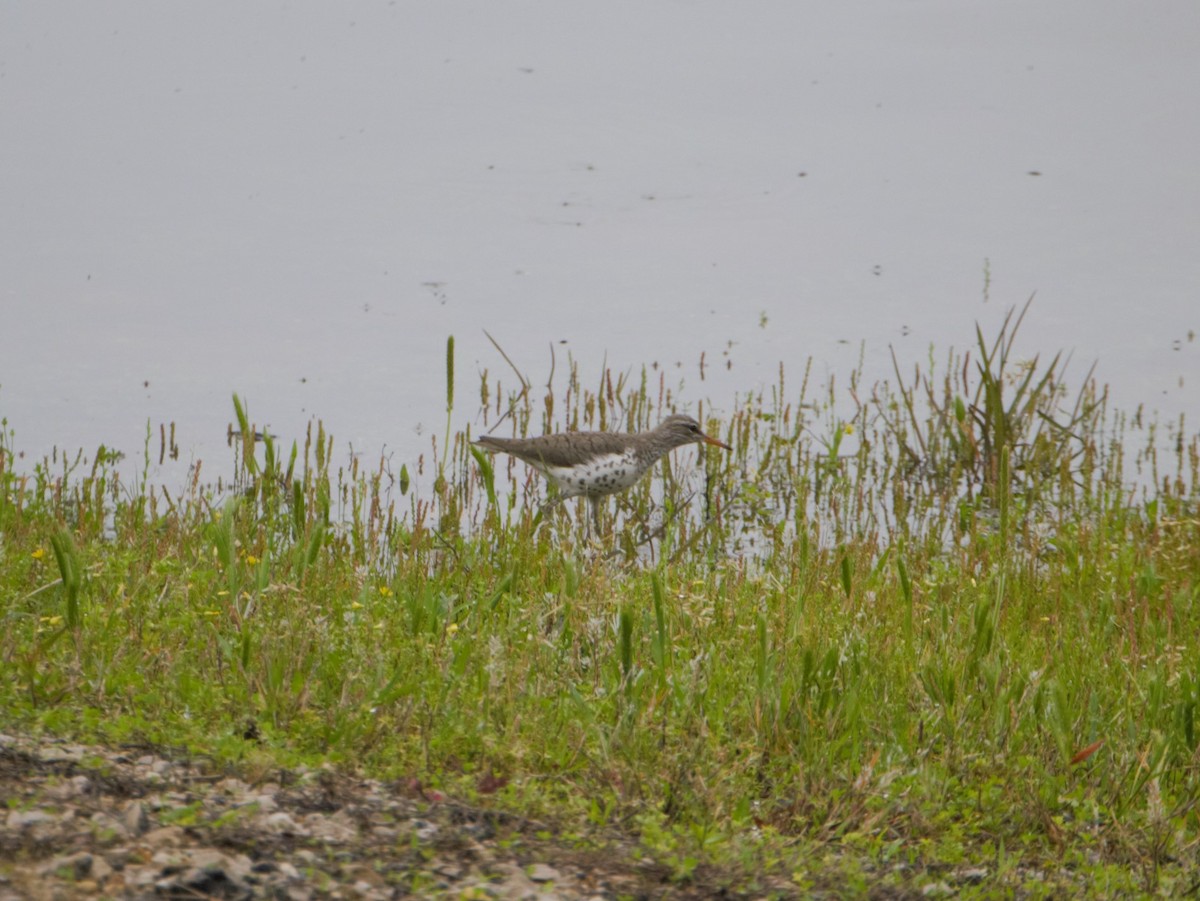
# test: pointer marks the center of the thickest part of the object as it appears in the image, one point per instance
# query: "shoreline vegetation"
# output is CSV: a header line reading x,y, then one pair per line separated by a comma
x,y
954,627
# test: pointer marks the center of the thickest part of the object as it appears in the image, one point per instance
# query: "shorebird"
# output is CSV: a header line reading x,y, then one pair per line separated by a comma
x,y
596,464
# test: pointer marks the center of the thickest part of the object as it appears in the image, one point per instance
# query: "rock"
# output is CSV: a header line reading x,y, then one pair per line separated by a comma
x,y
424,829
450,869
164,836
118,858
208,858
289,872
169,861
232,786
282,823
337,828
135,819
71,866
539,872
266,803
23,819
72,788
108,829
62,754
140,877
516,885
205,872
101,869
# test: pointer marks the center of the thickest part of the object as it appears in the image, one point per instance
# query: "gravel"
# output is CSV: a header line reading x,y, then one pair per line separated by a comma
x,y
140,823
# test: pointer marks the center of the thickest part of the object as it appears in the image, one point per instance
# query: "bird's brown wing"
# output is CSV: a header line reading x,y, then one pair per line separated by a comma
x,y
554,453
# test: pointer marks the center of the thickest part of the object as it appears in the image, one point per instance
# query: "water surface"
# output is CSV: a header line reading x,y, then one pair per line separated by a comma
x,y
300,201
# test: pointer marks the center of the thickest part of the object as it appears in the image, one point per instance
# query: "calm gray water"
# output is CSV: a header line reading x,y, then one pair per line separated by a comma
x,y
301,201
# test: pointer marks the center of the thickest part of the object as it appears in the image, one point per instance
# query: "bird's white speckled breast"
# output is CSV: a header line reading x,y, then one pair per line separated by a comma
x,y
604,474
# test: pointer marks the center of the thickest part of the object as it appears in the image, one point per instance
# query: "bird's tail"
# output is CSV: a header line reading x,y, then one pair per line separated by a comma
x,y
489,443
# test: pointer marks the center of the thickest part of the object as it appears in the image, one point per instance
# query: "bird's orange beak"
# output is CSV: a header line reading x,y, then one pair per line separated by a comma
x,y
708,439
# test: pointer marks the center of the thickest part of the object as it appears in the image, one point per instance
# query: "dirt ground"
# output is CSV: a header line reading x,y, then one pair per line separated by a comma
x,y
141,823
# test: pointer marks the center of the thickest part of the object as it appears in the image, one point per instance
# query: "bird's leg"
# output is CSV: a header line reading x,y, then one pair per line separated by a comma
x,y
550,504
595,502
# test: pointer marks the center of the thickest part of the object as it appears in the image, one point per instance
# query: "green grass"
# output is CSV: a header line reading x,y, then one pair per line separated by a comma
x,y
945,622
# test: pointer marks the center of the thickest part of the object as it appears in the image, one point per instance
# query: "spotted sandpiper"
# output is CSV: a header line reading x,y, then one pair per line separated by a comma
x,y
595,464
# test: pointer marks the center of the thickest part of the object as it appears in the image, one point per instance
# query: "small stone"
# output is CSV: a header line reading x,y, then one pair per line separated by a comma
x,y
23,819
140,877
517,886
282,824
118,858
101,869
482,831
539,872
108,829
164,836
168,861
134,818
208,859
338,827
449,869
212,874
72,788
266,803
62,754
232,786
424,829
72,866
289,872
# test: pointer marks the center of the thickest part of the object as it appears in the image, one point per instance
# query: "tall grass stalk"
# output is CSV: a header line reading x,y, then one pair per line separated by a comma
x,y
70,572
